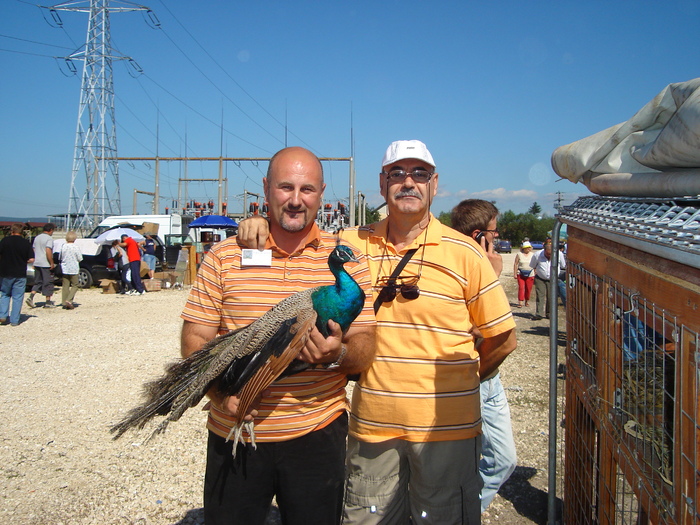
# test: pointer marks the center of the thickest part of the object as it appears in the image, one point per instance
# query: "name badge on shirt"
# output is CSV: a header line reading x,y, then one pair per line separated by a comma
x,y
256,257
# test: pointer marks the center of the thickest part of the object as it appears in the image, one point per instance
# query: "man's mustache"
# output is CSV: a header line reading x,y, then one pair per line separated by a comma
x,y
407,193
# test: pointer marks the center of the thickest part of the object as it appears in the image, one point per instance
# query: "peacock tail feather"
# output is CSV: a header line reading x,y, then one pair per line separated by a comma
x,y
244,362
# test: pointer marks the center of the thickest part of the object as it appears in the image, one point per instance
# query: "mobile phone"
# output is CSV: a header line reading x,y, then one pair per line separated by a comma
x,y
480,236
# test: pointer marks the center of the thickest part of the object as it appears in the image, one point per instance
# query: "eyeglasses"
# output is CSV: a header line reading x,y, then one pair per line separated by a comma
x,y
489,231
418,175
408,288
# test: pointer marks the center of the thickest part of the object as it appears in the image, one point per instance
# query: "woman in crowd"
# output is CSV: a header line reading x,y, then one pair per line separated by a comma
x,y
524,274
122,263
70,266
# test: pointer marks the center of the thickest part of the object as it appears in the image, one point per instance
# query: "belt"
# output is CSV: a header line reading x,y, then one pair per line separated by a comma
x,y
540,278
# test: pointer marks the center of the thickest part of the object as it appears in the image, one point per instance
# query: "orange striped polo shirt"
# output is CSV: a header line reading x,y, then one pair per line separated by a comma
x,y
424,382
230,296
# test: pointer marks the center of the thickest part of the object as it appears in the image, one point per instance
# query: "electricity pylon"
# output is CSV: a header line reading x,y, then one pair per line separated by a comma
x,y
94,188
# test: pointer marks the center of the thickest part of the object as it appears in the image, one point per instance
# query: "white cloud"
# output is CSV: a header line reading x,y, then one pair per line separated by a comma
x,y
500,194
516,200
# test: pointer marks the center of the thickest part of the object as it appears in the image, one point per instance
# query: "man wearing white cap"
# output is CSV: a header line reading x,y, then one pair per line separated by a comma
x,y
414,444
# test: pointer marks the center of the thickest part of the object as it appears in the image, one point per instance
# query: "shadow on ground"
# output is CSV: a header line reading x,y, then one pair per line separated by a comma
x,y
528,501
196,517
193,517
543,330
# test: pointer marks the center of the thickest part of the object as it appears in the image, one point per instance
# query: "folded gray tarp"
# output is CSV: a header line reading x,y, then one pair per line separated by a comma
x,y
656,153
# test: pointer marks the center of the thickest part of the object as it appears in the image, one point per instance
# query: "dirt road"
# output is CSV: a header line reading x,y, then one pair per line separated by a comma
x,y
67,375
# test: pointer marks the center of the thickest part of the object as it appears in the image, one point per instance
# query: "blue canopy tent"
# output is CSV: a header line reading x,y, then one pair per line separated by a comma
x,y
213,221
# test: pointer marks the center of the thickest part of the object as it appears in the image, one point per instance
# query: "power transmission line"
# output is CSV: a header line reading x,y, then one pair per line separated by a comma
x,y
94,192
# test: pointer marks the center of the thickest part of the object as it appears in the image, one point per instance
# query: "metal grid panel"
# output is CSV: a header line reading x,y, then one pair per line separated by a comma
x,y
631,409
660,222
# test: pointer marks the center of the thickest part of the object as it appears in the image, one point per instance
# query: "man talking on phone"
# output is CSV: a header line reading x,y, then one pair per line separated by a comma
x,y
479,220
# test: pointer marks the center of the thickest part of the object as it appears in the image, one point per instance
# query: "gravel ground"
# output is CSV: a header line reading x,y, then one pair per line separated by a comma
x,y
69,375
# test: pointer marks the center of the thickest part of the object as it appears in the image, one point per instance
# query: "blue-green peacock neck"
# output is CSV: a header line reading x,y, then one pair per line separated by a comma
x,y
342,301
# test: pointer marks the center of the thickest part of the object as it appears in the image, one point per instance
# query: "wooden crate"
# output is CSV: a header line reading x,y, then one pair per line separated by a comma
x,y
152,285
109,286
632,439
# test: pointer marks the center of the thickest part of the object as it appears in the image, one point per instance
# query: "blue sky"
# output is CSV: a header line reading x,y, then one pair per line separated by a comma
x,y
492,87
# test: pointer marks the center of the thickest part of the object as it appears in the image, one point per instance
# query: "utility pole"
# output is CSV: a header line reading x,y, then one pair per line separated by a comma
x,y
94,191
156,195
351,178
558,201
245,201
220,204
151,193
362,209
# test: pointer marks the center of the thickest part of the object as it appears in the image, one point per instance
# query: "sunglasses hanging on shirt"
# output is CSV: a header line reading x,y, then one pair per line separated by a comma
x,y
408,288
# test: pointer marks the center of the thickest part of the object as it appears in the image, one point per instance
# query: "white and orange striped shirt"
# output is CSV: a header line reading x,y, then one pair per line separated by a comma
x,y
424,383
230,296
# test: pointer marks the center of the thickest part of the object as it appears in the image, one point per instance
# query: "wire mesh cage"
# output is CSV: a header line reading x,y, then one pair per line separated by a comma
x,y
631,409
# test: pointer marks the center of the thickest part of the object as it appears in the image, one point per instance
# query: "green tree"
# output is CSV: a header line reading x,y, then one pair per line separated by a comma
x,y
544,227
371,215
535,209
445,217
516,227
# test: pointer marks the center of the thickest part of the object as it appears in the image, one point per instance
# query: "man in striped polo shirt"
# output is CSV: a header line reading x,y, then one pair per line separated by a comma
x,y
301,421
414,444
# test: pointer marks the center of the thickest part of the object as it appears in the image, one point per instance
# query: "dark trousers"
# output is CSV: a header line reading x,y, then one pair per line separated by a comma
x,y
136,275
305,474
125,282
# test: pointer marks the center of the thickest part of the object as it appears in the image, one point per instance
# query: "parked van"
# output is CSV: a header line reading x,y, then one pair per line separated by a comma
x,y
167,224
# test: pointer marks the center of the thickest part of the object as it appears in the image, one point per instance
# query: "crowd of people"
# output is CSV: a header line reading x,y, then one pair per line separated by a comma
x,y
16,252
128,254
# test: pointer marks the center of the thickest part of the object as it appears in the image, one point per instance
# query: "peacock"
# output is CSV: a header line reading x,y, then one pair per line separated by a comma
x,y
247,360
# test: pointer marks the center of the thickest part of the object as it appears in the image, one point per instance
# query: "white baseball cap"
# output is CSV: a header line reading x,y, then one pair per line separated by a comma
x,y
407,149
526,244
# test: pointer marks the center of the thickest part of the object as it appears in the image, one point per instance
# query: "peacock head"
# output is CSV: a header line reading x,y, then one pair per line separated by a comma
x,y
341,254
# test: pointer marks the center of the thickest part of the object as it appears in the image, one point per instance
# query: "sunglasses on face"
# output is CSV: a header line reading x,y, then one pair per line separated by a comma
x,y
418,175
408,287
